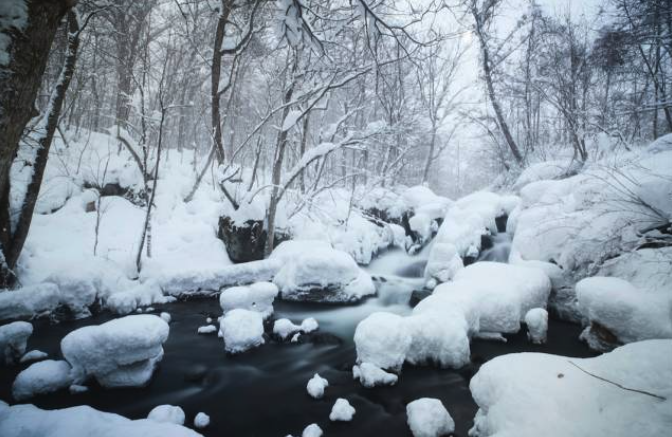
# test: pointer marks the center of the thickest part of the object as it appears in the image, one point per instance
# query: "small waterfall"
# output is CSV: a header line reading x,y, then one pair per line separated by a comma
x,y
499,252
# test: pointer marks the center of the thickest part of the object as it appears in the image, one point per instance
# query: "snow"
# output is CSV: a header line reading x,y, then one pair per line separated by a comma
x,y
201,420
547,170
342,411
428,417
284,327
13,340
312,430
167,414
166,317
626,311
76,389
315,272
309,325
34,355
242,330
41,378
383,340
29,301
120,353
438,338
316,386
536,320
256,297
291,119
520,394
207,329
371,376
30,421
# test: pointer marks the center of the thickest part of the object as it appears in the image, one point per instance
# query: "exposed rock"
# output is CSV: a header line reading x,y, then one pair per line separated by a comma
x,y
600,338
501,222
245,242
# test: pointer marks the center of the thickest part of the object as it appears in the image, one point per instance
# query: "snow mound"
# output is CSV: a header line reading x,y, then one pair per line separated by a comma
x,y
41,378
312,430
241,330
316,272
316,386
34,355
438,338
536,320
29,301
13,340
207,329
284,327
428,417
547,170
167,414
256,297
382,339
520,394
30,421
201,420
342,411
370,375
120,353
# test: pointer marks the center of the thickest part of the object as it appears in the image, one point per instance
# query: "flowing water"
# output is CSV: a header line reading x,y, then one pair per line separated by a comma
x,y
263,392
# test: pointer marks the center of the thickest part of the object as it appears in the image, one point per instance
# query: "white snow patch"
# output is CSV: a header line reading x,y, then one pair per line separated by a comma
x,y
428,417
242,330
316,386
342,411
256,297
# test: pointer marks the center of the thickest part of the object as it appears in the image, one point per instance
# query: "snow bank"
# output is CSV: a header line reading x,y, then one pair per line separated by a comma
x,y
256,297
371,376
41,378
30,421
536,320
342,411
428,417
382,339
13,341
167,414
520,394
241,330
312,271
316,386
120,353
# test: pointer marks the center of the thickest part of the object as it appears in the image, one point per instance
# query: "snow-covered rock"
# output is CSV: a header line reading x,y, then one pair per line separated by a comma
x,y
34,355
242,330
41,378
313,271
167,414
120,353
312,430
284,327
382,339
342,411
428,417
536,320
207,329
166,317
256,297
521,394
370,375
201,420
29,301
439,338
30,421
316,386
13,340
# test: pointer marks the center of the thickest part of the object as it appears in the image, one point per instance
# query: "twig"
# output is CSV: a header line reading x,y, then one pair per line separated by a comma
x,y
617,384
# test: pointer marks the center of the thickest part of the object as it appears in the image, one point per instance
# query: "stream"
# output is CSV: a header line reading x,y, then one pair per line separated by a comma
x,y
263,391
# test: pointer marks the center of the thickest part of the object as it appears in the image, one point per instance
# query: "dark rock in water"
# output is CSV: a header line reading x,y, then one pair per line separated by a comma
x,y
487,242
195,373
600,338
418,295
469,259
331,294
415,270
382,279
501,222
245,242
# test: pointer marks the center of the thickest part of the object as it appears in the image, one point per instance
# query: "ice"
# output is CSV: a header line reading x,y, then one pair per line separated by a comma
x,y
342,411
256,297
536,320
34,355
167,414
312,430
521,394
382,339
201,420
428,417
316,386
207,329
13,340
41,378
30,421
370,375
120,353
242,330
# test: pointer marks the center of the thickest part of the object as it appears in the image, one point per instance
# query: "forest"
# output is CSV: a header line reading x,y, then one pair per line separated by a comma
x,y
336,217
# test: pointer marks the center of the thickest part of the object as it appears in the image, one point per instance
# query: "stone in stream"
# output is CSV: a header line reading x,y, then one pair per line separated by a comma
x,y
245,241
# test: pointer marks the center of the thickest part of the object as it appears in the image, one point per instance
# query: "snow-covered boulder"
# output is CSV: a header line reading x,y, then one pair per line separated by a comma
x,y
624,310
342,411
521,394
13,340
29,301
41,378
536,320
312,430
284,328
28,420
167,414
437,338
313,271
370,375
241,330
34,355
428,417
316,386
120,353
382,339
201,420
256,297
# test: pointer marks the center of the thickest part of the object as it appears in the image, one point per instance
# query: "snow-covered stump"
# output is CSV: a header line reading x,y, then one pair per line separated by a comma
x,y
13,340
41,378
241,330
120,353
256,297
536,320
428,417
